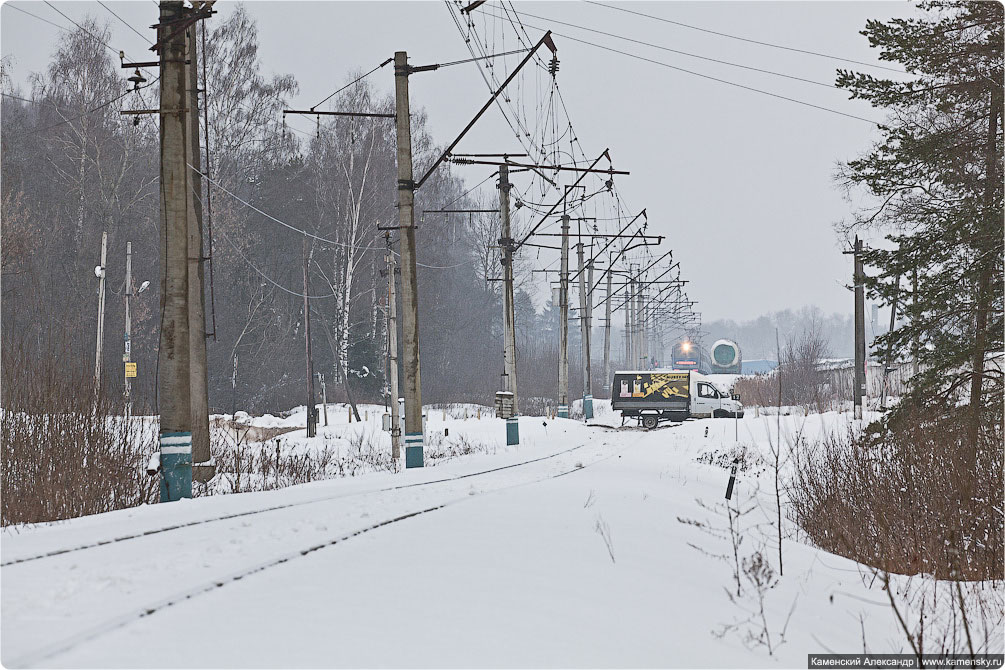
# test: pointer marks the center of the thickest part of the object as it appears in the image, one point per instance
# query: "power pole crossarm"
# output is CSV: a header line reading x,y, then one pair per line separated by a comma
x,y
546,39
565,194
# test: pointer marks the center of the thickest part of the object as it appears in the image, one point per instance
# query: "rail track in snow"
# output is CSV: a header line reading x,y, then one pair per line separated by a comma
x,y
99,630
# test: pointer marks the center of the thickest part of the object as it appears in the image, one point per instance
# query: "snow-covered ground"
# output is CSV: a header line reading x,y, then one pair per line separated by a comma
x,y
586,546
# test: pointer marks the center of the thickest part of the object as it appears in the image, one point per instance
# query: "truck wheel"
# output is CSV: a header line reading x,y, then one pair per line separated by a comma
x,y
649,422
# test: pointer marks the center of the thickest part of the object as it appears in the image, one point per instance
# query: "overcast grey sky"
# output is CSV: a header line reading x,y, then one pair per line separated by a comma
x,y
741,183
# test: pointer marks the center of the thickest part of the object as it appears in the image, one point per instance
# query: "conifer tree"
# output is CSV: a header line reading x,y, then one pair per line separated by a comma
x,y
935,181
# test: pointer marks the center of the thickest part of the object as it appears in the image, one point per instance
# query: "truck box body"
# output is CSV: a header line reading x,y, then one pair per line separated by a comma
x,y
652,390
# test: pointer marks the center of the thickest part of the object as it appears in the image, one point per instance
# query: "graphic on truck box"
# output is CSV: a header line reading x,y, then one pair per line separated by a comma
x,y
656,386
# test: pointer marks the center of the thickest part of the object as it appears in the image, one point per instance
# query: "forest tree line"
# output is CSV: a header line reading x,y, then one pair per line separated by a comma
x,y
74,167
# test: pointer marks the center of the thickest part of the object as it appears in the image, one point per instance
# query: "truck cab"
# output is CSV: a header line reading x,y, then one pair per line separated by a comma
x,y
710,401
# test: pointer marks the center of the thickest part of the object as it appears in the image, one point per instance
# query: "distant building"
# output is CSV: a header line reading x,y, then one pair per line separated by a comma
x,y
758,366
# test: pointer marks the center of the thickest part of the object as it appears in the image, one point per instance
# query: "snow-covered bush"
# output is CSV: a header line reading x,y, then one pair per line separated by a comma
x,y
68,450
907,496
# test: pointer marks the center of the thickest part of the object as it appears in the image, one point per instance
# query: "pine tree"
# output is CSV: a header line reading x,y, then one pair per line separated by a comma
x,y
936,180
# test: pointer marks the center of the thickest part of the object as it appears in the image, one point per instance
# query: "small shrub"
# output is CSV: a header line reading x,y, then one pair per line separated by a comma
x,y
68,450
908,496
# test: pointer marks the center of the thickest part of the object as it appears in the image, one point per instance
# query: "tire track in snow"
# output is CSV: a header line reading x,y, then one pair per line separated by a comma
x,y
123,620
237,515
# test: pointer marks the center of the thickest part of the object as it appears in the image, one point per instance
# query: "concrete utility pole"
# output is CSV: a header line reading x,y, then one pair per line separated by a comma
x,y
889,354
198,371
627,337
409,285
174,375
607,335
860,361
324,396
584,330
127,341
589,330
509,313
312,426
643,344
637,306
633,348
100,272
563,324
392,352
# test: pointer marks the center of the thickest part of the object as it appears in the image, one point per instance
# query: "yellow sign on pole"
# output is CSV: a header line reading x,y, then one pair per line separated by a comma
x,y
130,369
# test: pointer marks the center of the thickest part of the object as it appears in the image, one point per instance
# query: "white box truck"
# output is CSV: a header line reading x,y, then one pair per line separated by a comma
x,y
653,397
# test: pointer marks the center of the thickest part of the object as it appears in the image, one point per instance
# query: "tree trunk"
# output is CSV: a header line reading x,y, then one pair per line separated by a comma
x,y
984,279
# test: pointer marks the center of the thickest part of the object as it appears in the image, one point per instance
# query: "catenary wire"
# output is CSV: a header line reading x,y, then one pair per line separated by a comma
x,y
709,77
742,39
267,277
82,28
127,25
683,53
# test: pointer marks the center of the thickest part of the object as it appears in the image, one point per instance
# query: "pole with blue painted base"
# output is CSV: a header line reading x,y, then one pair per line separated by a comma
x,y
509,313
505,409
176,182
409,283
512,431
176,466
413,450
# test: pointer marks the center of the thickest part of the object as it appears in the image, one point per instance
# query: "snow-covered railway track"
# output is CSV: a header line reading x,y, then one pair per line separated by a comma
x,y
246,513
133,614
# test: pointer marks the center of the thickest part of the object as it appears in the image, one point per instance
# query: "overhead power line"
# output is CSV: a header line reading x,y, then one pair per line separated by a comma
x,y
123,21
267,277
743,39
677,51
702,75
304,232
97,108
24,11
82,28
